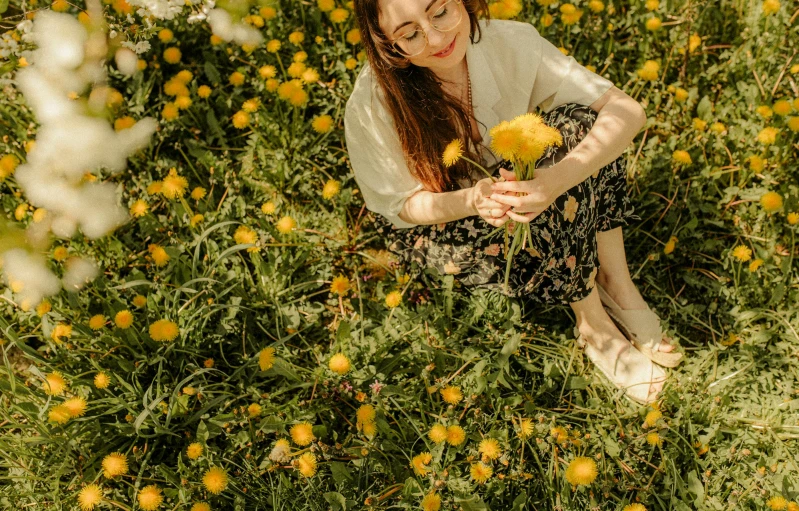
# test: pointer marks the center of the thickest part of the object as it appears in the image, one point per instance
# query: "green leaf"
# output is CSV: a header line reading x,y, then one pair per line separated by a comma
x,y
341,473
336,500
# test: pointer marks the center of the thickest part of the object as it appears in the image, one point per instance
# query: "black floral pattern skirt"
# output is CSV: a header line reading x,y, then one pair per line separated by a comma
x,y
561,263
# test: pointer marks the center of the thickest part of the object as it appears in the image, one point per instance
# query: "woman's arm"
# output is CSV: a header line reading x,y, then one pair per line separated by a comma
x,y
619,121
427,208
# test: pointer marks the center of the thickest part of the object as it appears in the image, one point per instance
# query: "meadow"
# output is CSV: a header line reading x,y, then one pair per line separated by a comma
x,y
241,338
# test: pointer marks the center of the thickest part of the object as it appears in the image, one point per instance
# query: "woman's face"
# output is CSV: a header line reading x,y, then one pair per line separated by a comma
x,y
401,17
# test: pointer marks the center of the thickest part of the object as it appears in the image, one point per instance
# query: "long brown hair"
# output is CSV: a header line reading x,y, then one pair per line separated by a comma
x,y
427,118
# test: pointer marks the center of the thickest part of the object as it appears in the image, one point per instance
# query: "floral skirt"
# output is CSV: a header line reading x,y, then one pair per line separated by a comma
x,y
560,265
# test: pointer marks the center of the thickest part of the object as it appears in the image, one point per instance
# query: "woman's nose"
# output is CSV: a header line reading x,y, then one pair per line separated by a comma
x,y
436,40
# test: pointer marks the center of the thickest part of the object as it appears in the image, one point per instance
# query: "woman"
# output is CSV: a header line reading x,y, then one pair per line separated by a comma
x,y
435,73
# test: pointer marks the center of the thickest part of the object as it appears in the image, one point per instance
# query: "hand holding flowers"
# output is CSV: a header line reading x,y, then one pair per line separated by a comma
x,y
521,141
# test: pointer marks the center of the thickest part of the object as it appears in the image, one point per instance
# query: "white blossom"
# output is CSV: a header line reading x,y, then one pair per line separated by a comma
x,y
29,274
222,25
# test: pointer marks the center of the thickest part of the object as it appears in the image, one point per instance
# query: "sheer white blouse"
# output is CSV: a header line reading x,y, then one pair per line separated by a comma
x,y
513,70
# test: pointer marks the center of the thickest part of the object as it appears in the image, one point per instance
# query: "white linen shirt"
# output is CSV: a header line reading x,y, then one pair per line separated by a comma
x,y
513,70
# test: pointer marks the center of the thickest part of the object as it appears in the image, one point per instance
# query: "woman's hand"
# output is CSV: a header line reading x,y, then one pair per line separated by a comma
x,y
539,193
490,210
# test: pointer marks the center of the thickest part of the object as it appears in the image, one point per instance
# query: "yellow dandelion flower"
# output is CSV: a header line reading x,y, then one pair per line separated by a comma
x,y
266,358
438,433
60,332
431,502
139,208
215,480
268,208
89,497
60,253
200,506
296,69
653,438
296,37
505,139
281,451
339,364
164,330
244,235
393,299
150,497
480,472
581,471
285,225
302,434
241,119
777,503
54,384
653,24
194,450
102,380
339,15
326,5
652,417
76,406
59,414
525,428
322,123
204,91
681,156
273,46
365,413
331,189
172,55
310,75
455,435
198,193
173,185
236,78
123,319
306,464
97,322
742,253
159,254
634,507
452,153
768,136
649,71
420,463
771,201
771,6
451,394
792,218
754,265
340,285
489,448
670,245
115,464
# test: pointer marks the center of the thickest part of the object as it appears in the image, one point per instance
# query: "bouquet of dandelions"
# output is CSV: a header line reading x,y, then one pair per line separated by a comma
x,y
521,141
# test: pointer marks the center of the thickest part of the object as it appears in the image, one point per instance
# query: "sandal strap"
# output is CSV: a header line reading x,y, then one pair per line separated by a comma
x,y
647,331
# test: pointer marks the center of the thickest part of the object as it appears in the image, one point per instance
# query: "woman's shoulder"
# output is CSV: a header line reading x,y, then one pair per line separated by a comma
x,y
504,31
366,96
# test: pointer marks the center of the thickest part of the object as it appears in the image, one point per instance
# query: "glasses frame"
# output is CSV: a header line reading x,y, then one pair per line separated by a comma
x,y
424,31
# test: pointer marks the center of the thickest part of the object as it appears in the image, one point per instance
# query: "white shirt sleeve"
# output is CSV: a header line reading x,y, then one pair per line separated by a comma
x,y
378,161
561,79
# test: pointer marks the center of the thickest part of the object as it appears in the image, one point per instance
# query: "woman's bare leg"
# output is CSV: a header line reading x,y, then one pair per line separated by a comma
x,y
614,275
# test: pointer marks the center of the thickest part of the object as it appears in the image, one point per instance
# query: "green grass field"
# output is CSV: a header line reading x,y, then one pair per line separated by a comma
x,y
203,363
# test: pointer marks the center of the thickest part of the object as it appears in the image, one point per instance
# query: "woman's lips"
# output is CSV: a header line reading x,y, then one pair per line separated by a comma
x,y
445,52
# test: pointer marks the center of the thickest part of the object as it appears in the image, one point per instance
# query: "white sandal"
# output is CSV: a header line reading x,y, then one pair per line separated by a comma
x,y
637,392
642,327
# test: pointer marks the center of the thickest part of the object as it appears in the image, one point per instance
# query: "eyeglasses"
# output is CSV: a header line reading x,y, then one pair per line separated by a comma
x,y
444,19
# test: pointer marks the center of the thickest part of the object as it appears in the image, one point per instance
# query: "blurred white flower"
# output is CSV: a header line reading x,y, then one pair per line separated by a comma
x,y
161,9
79,271
29,275
127,62
222,25
70,145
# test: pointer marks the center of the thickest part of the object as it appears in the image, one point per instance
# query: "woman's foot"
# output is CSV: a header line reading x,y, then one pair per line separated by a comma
x,y
628,297
615,356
